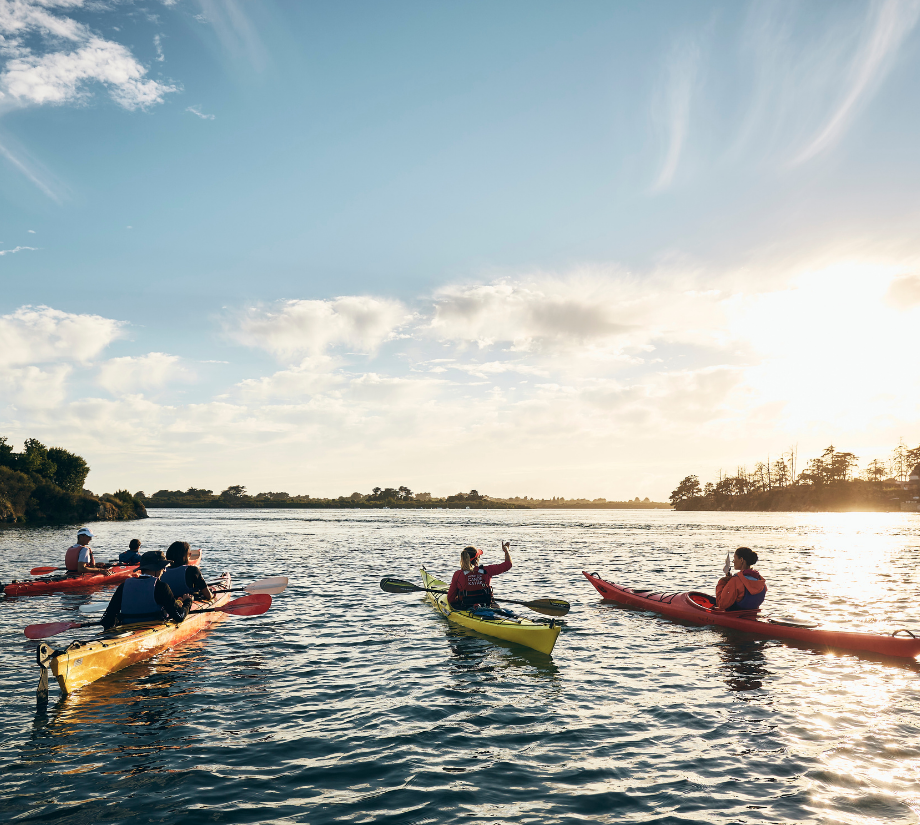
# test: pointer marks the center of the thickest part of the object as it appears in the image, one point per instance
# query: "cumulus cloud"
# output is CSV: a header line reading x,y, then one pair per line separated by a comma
x,y
52,59
34,335
131,374
312,326
33,388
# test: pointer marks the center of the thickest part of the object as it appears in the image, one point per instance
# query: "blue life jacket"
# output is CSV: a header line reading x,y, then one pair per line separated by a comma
x,y
750,601
175,578
138,603
129,557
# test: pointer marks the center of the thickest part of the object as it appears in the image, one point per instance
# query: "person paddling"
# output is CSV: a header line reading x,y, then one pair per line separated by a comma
x,y
745,590
145,598
132,554
79,558
471,585
184,578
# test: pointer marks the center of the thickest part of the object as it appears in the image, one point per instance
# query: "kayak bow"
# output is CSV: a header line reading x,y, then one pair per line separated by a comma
x,y
700,608
536,635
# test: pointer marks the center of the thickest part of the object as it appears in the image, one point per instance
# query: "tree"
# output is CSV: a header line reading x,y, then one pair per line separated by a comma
x,y
34,460
236,491
405,493
70,470
876,470
687,489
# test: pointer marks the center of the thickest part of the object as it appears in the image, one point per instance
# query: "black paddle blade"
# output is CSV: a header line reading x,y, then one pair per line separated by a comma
x,y
549,607
391,585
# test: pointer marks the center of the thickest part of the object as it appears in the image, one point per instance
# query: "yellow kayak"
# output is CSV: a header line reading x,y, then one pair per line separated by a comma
x,y
537,635
81,663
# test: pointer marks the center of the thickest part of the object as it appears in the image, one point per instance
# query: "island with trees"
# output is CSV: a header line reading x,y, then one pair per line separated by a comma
x,y
828,483
379,498
44,485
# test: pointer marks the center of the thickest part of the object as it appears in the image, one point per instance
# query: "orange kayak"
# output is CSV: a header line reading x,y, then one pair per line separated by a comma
x,y
700,608
52,584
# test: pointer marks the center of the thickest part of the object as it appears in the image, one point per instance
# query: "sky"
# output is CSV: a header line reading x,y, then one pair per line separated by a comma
x,y
532,248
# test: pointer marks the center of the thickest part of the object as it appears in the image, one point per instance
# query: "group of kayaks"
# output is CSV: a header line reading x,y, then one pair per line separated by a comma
x,y
82,662
690,606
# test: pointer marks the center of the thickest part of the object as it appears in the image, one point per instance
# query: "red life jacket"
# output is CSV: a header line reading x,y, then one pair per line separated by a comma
x,y
73,554
474,589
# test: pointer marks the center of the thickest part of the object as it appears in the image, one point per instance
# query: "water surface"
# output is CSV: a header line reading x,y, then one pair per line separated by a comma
x,y
344,704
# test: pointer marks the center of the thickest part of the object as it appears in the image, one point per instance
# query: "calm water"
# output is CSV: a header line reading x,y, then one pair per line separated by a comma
x,y
344,704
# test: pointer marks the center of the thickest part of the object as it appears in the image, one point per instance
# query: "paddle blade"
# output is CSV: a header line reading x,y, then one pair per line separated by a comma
x,y
549,607
248,605
93,607
43,631
391,585
272,585
42,571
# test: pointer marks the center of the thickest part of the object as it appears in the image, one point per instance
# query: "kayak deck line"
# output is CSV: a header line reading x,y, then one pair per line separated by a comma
x,y
699,608
539,636
85,661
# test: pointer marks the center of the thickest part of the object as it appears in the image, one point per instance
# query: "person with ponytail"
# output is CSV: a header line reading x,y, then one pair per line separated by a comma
x,y
746,589
471,585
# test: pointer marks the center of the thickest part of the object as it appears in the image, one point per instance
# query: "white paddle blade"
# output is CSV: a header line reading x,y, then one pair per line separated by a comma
x,y
194,554
271,586
93,607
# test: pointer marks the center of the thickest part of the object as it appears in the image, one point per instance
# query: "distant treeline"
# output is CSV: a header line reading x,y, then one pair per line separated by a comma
x,y
43,485
379,498
830,483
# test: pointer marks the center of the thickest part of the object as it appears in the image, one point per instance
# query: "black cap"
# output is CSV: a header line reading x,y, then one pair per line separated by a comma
x,y
153,560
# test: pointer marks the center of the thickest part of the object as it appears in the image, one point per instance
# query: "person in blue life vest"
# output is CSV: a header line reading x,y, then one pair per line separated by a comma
x,y
132,554
184,578
145,598
471,585
79,559
746,589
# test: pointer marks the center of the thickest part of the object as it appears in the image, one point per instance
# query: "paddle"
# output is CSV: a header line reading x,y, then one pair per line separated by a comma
x,y
44,571
271,586
548,607
244,606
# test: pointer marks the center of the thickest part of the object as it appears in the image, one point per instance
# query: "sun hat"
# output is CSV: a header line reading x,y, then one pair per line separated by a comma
x,y
153,560
85,531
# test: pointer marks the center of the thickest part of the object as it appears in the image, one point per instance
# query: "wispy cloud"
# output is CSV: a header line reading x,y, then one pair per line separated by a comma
x,y
196,110
235,31
17,249
889,23
158,45
33,171
671,107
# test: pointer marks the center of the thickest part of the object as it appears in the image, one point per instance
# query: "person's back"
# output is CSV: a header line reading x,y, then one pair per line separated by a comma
x,y
746,590
145,598
184,578
79,559
132,554
471,585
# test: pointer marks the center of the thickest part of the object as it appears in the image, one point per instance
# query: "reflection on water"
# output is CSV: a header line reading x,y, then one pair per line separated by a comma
x,y
344,704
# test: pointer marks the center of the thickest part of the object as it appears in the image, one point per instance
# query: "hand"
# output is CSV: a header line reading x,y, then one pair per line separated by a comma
x,y
506,545
727,569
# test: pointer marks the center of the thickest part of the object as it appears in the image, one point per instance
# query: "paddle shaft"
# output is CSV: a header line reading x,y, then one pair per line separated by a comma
x,y
537,606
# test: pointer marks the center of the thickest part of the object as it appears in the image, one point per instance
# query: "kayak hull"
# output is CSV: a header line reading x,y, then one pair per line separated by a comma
x,y
53,584
535,635
699,608
82,663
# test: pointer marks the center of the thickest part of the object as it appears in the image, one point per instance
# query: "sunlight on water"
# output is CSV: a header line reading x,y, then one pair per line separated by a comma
x,y
345,704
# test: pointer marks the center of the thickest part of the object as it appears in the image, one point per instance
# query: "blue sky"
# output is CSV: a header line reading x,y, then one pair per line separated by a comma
x,y
532,248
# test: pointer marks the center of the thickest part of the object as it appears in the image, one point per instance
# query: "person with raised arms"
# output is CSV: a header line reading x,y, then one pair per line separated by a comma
x,y
184,578
746,589
145,598
471,585
79,558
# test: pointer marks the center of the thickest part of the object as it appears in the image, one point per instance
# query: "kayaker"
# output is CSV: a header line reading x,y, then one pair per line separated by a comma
x,y
471,584
145,598
79,558
184,578
132,554
746,589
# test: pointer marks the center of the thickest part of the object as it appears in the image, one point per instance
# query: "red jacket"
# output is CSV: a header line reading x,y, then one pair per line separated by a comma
x,y
478,579
729,591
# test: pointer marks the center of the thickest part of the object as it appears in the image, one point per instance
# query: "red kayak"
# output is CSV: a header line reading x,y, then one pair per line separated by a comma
x,y
700,609
51,584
